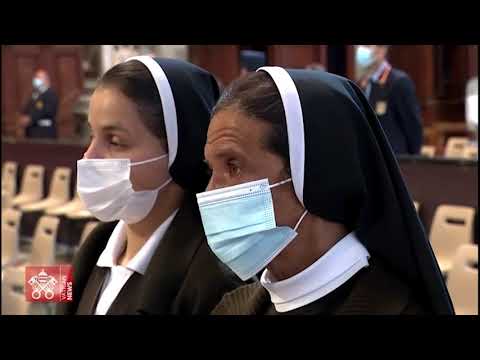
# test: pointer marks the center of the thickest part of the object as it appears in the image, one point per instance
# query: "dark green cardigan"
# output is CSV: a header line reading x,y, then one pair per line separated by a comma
x,y
372,291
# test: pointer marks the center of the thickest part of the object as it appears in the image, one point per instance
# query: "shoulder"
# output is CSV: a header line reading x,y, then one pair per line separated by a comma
x,y
88,253
207,280
50,93
248,299
379,291
205,258
98,238
84,263
196,277
400,80
397,74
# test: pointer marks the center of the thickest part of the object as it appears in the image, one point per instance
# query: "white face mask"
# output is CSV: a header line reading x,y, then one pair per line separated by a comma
x,y
105,188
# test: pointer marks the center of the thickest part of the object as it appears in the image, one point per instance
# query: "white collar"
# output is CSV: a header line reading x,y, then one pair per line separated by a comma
x,y
140,261
333,269
379,71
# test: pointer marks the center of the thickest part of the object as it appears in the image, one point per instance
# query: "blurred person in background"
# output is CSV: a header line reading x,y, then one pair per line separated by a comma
x,y
391,93
39,114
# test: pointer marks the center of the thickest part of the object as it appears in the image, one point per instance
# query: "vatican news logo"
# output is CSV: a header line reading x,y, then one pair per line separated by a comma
x,y
49,283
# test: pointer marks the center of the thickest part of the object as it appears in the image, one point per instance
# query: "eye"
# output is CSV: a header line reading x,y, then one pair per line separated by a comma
x,y
115,141
234,168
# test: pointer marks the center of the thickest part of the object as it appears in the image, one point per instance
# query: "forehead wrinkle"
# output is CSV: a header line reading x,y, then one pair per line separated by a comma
x,y
229,134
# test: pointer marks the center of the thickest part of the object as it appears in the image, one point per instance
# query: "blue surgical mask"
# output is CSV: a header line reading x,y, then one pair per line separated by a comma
x,y
239,222
364,56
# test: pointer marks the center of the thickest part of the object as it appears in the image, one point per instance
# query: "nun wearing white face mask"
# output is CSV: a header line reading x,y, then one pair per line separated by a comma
x,y
305,190
149,119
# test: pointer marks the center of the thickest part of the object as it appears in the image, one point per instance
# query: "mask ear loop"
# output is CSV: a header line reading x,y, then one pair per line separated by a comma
x,y
280,183
149,160
164,184
304,213
300,220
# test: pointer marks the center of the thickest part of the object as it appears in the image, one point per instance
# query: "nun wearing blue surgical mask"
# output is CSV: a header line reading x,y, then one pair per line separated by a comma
x,y
148,119
305,191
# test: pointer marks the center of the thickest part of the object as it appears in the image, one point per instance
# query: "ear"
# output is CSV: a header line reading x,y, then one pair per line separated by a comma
x,y
286,171
164,144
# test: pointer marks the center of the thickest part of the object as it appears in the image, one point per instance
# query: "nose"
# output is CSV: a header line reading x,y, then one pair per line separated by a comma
x,y
92,151
220,180
215,182
211,185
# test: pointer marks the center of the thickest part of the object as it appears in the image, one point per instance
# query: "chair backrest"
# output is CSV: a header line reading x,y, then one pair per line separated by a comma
x,y
32,181
60,184
73,205
9,177
44,239
10,235
13,303
455,147
428,150
87,229
451,227
78,204
462,281
6,200
470,152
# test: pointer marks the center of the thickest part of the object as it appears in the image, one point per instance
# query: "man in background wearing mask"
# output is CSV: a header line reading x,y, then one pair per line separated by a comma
x,y
391,93
39,114
471,108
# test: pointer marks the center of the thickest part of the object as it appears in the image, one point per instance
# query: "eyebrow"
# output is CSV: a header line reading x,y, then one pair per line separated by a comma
x,y
109,128
114,128
230,152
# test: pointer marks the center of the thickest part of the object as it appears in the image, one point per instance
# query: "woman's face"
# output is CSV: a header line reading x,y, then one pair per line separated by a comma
x,y
236,152
118,131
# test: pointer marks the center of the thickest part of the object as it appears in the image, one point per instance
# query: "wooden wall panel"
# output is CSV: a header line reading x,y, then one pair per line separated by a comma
x,y
69,81
350,53
221,60
297,56
472,61
418,62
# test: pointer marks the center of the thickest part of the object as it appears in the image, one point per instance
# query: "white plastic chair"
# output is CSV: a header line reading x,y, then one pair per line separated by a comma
x,y
462,281
59,192
451,227
31,189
